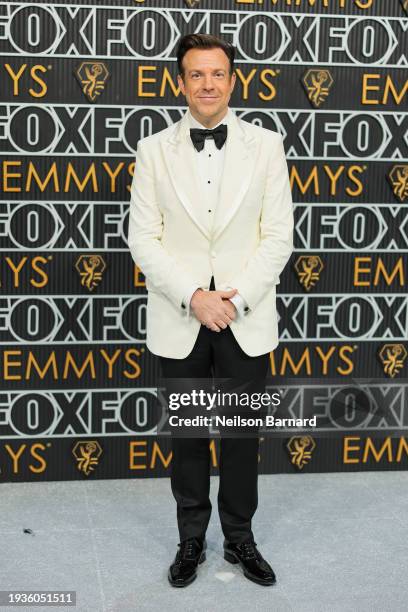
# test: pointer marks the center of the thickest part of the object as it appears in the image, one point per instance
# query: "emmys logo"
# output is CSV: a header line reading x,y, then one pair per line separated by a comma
x,y
92,77
191,3
317,84
87,456
405,5
90,269
308,268
398,178
393,357
300,450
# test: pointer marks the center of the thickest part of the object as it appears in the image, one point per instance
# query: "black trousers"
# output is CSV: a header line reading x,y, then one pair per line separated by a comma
x,y
215,354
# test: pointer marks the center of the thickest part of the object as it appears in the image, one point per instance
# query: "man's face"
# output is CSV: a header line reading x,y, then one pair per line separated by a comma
x,y
207,83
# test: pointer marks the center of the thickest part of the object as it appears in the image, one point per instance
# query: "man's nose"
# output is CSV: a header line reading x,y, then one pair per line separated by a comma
x,y
208,83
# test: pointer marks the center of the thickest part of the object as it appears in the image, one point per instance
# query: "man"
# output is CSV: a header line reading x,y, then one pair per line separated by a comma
x,y
210,225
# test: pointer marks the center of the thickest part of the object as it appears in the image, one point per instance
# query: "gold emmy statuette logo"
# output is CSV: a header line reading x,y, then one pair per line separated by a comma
x,y
192,3
92,77
393,357
317,84
398,178
90,269
308,268
405,5
300,449
87,455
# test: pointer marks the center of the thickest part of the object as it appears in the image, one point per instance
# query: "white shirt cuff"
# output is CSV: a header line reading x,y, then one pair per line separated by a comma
x,y
187,299
240,304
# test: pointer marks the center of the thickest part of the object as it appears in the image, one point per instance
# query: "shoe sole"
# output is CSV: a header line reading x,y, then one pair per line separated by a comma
x,y
231,558
191,579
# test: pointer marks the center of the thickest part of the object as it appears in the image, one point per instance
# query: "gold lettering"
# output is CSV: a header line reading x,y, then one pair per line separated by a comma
x,y
32,361
356,180
287,359
157,452
8,364
342,354
269,85
113,174
15,455
32,173
167,78
39,80
88,361
137,369
245,81
15,76
16,269
141,93
132,454
41,468
110,361
137,274
348,448
303,187
325,358
9,175
91,174
38,260
358,270
386,446
402,446
367,87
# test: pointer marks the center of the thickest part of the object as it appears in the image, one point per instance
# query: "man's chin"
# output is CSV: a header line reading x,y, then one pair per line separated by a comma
x,y
209,110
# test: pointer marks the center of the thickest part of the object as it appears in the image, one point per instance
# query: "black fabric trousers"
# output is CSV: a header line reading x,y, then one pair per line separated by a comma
x,y
215,354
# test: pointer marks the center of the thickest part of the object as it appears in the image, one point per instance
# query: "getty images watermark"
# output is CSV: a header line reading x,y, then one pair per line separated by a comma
x,y
239,403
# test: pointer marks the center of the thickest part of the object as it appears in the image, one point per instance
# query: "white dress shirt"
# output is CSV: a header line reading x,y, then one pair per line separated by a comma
x,y
210,163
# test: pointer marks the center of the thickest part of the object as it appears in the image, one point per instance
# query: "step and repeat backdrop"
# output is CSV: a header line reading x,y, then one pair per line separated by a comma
x,y
80,84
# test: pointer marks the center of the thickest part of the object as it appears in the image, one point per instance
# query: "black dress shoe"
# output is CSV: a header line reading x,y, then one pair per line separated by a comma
x,y
183,570
250,559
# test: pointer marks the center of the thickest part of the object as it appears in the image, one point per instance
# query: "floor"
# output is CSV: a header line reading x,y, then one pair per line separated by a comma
x,y
337,542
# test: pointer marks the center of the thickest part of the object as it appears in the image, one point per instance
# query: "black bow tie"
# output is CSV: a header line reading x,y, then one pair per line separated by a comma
x,y
198,136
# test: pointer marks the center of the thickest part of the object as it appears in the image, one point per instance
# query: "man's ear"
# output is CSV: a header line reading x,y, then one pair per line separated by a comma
x,y
181,84
233,80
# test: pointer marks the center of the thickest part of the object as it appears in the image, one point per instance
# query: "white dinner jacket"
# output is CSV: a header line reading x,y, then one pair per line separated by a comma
x,y
250,241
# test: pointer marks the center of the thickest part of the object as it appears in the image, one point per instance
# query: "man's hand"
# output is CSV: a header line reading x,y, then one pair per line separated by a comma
x,y
213,308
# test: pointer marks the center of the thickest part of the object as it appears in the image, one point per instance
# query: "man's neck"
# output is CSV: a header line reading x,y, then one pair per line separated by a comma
x,y
210,122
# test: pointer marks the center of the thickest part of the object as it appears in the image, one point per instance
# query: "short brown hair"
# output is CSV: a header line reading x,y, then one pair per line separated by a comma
x,y
203,41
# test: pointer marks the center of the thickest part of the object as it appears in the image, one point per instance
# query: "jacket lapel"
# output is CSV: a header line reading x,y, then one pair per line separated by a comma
x,y
179,156
239,165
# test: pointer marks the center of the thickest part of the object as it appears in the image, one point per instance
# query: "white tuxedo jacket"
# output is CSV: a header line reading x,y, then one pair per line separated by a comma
x,y
250,241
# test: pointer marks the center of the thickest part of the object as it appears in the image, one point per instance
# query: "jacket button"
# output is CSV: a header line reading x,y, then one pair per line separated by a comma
x,y
183,306
246,308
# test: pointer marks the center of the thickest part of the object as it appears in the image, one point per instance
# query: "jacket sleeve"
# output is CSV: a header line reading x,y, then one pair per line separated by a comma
x,y
263,268
144,236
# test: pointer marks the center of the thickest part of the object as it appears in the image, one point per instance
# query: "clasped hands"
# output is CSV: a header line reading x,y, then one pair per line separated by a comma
x,y
213,308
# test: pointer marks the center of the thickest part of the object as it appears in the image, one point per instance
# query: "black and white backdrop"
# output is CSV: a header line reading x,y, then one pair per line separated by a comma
x,y
80,84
